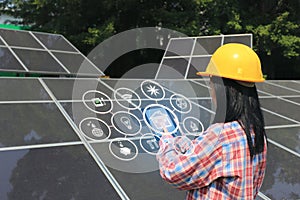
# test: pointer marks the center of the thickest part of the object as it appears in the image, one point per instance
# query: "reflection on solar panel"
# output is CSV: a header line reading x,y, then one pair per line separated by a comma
x,y
94,141
33,52
186,56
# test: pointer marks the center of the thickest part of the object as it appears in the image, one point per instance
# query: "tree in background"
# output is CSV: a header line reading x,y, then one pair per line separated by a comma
x,y
275,27
86,23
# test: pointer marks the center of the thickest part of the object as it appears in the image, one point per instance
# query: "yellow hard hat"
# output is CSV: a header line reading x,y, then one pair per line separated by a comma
x,y
235,61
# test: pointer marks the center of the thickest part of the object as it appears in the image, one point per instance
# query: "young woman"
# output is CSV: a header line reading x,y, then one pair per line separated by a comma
x,y
228,160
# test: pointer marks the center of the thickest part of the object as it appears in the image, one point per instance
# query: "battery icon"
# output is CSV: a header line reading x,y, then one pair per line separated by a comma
x,y
98,102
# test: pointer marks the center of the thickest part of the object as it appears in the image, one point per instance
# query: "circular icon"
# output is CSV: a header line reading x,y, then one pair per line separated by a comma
x,y
97,101
149,143
157,117
180,103
127,98
94,129
183,145
152,90
126,123
123,149
193,126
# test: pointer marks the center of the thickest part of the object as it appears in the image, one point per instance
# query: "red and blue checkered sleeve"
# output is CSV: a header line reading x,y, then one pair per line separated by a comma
x,y
195,169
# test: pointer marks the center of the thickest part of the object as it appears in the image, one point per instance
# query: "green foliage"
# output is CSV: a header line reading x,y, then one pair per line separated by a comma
x,y
97,35
235,22
291,45
280,33
274,23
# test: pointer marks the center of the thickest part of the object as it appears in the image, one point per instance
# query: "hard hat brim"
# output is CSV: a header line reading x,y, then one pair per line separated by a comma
x,y
206,74
203,74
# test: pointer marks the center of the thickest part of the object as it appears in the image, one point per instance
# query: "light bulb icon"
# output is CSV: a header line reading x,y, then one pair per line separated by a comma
x,y
126,122
193,126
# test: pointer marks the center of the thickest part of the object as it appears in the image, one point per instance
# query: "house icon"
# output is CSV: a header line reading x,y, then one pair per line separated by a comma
x,y
160,120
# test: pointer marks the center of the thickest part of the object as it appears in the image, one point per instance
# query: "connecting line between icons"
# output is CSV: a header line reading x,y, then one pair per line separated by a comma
x,y
155,88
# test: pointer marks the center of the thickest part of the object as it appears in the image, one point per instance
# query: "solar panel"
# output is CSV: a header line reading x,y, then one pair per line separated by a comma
x,y
185,56
89,136
35,52
57,173
31,123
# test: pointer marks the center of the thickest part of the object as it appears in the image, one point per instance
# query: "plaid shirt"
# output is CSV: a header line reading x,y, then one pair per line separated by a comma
x,y
218,167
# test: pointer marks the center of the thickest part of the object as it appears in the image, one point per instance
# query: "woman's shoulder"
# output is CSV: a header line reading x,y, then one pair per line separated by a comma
x,y
225,128
222,133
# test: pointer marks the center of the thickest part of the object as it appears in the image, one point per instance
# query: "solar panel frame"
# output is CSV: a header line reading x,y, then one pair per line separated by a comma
x,y
119,177
282,146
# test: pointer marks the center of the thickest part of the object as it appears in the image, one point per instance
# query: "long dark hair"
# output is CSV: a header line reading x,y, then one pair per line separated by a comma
x,y
242,105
